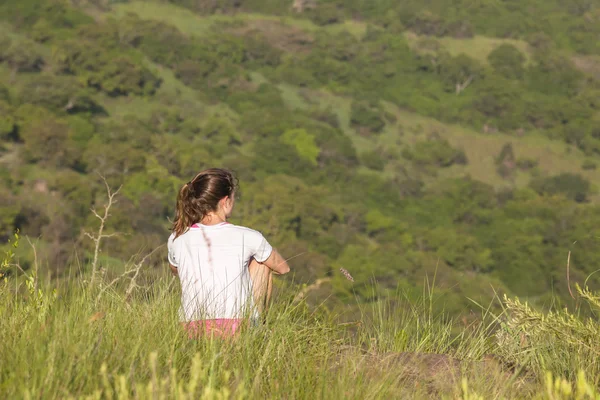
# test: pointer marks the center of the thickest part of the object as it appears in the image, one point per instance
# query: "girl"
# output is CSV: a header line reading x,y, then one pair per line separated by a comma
x,y
225,270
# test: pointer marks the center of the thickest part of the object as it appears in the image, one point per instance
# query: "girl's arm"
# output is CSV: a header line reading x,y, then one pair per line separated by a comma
x,y
277,263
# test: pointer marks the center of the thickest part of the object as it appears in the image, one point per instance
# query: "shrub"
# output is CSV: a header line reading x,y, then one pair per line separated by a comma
x,y
573,186
114,73
436,152
508,61
21,56
59,94
589,165
427,23
47,141
532,339
326,14
8,124
373,159
366,117
303,142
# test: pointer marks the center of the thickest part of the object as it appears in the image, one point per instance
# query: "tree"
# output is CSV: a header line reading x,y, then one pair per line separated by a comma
x,y
508,61
458,72
47,141
506,161
59,94
8,124
114,73
573,186
21,56
366,117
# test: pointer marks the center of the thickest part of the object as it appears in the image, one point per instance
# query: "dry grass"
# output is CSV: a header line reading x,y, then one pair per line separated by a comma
x,y
589,65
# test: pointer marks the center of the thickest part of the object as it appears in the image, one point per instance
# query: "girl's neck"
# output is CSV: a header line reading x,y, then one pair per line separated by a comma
x,y
213,219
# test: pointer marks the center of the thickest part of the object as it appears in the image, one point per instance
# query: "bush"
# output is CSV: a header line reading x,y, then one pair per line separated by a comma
x,y
506,161
326,14
458,72
373,159
436,152
47,141
427,23
8,124
527,163
589,165
114,73
21,56
59,94
508,61
573,186
366,118
303,142
531,338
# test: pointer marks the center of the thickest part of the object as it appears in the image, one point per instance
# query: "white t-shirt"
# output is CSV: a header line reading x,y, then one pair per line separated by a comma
x,y
212,263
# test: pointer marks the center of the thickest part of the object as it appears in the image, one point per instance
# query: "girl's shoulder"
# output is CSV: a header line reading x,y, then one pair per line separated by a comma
x,y
241,228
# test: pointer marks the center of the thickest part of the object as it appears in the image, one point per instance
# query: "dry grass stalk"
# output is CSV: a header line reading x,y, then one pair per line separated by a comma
x,y
97,239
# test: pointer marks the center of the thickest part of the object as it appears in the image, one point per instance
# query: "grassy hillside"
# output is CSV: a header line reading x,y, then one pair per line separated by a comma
x,y
108,341
444,154
392,142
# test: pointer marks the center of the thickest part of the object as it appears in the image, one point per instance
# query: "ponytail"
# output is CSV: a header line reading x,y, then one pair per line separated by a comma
x,y
184,214
200,196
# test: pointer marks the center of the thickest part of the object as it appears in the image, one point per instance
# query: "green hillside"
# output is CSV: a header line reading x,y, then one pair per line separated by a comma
x,y
397,140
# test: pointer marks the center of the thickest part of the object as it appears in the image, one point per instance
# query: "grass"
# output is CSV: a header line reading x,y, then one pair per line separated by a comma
x,y
62,339
477,47
190,23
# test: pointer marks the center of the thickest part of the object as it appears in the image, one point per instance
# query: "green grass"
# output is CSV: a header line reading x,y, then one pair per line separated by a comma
x,y
66,340
190,23
477,47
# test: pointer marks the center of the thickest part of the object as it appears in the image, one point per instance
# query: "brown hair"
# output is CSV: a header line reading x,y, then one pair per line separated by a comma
x,y
201,195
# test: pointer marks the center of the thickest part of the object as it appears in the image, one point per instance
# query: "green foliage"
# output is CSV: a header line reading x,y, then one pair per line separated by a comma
x,y
59,94
508,61
541,336
21,56
589,165
303,142
9,255
8,126
312,110
114,74
459,71
506,161
573,186
366,117
373,159
46,141
435,152
326,14
462,252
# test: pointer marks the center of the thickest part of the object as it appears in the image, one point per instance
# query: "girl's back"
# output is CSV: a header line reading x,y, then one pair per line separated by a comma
x,y
212,263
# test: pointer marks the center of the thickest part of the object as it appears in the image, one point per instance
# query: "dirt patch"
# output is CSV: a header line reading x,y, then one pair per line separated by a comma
x,y
280,36
589,65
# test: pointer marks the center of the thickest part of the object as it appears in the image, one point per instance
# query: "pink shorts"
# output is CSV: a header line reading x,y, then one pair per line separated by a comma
x,y
213,327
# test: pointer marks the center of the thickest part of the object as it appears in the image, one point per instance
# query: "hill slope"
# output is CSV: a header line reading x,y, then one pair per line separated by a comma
x,y
384,140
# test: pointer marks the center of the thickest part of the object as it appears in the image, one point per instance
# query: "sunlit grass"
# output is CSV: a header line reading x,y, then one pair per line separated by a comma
x,y
190,23
62,339
477,47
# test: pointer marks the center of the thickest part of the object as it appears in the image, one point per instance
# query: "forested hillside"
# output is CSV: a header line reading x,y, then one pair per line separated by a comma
x,y
395,139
